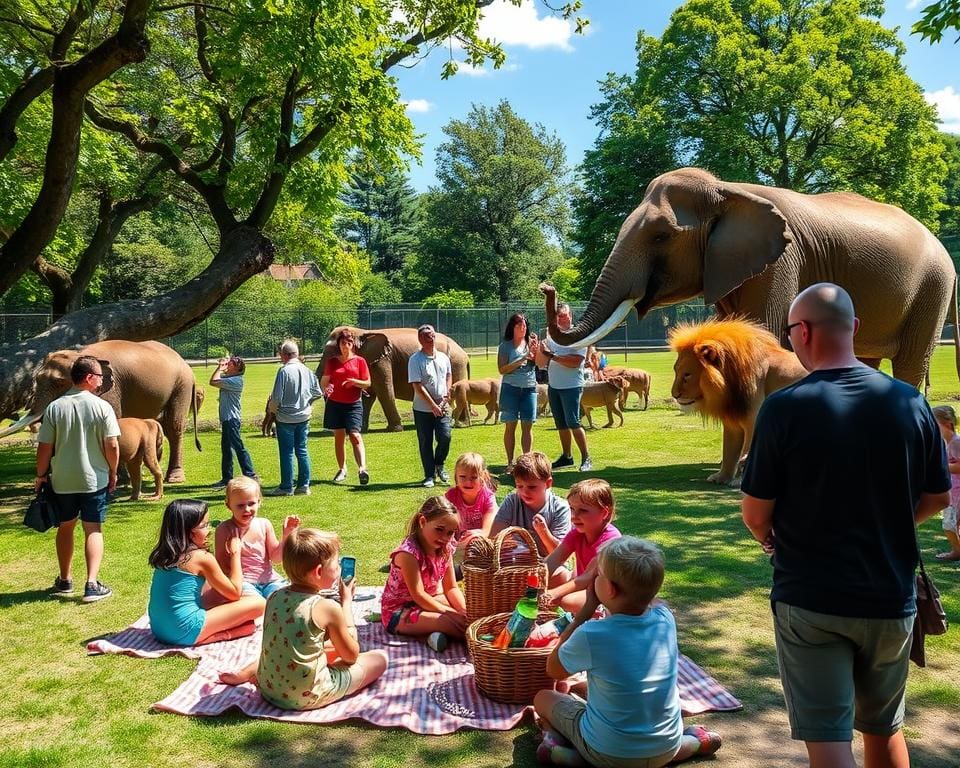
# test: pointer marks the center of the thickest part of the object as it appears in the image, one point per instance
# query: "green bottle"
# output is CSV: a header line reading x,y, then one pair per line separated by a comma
x,y
524,617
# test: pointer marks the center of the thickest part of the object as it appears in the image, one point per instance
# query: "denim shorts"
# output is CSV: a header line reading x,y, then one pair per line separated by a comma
x,y
841,673
518,403
348,416
565,406
91,507
264,590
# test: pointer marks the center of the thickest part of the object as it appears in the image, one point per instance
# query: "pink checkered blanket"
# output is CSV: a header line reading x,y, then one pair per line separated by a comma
x,y
422,691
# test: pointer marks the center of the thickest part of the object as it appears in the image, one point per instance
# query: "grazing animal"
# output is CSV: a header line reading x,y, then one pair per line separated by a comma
x,y
543,401
141,442
603,393
724,370
268,427
638,381
465,392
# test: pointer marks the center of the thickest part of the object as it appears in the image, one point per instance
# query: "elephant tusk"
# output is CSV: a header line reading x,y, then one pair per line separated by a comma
x,y
622,310
26,421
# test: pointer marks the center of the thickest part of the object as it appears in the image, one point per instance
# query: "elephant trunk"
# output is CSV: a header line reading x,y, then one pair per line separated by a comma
x,y
611,302
23,423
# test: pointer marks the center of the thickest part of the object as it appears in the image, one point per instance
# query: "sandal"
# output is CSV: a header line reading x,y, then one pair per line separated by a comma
x,y
710,741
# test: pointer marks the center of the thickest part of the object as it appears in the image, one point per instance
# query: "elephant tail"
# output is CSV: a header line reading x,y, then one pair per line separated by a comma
x,y
194,409
956,328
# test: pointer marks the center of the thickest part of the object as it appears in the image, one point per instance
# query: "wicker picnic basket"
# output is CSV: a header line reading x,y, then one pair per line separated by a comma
x,y
490,586
508,675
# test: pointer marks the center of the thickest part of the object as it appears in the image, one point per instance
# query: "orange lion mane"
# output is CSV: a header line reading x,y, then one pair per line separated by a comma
x,y
732,353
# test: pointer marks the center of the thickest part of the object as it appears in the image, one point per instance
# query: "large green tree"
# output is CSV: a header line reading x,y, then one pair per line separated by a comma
x,y
501,207
250,108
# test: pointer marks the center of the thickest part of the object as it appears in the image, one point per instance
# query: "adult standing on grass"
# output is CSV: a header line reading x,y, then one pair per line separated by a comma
x,y
843,465
428,370
344,379
77,447
228,379
518,386
294,390
564,389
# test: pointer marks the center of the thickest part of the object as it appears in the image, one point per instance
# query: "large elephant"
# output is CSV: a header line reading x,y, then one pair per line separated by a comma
x,y
750,249
387,351
141,379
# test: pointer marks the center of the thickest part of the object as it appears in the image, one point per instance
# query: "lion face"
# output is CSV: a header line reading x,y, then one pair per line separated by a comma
x,y
686,390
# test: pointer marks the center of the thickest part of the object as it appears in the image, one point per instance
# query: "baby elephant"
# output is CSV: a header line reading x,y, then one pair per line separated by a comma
x,y
637,381
467,392
141,442
600,393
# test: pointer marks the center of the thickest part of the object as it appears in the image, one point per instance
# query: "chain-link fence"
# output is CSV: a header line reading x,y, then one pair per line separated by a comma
x,y
257,333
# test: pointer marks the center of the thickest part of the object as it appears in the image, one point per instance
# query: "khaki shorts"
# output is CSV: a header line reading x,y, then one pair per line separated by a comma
x,y
950,518
842,673
566,716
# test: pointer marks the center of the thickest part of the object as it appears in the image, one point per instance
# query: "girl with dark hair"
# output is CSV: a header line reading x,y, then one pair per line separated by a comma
x,y
192,601
518,385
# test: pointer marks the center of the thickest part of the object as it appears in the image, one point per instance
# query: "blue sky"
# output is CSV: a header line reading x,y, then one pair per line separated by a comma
x,y
551,74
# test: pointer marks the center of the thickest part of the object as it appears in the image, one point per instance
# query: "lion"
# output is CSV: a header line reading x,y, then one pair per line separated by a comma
x,y
724,370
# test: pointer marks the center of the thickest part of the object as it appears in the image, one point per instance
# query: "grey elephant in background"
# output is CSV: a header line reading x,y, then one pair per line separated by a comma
x,y
749,249
141,379
387,352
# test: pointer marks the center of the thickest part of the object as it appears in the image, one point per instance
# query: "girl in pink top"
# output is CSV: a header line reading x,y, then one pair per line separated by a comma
x,y
472,495
259,546
591,514
421,596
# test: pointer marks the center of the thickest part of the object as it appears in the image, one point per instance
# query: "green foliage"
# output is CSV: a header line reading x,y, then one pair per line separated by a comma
x,y
937,18
378,289
805,94
566,279
450,299
950,215
501,203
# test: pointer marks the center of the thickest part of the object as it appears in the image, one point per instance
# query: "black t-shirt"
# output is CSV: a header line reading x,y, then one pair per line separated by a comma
x,y
845,454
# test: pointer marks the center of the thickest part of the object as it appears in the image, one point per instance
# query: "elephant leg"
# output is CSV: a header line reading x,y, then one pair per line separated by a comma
x,y
610,406
133,467
732,450
368,402
383,386
618,411
153,464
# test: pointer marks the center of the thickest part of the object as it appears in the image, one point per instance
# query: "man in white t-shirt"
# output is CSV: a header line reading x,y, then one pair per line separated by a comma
x,y
431,376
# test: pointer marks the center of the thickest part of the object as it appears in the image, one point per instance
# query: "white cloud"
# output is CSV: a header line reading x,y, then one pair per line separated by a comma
x,y
465,68
418,105
947,102
521,26
912,4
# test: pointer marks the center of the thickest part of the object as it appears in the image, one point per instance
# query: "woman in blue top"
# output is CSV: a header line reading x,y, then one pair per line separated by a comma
x,y
518,387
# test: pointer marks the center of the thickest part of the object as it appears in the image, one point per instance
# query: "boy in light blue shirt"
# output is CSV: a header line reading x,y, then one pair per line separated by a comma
x,y
631,651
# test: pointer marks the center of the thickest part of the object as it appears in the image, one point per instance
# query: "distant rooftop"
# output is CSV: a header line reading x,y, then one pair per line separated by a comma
x,y
288,272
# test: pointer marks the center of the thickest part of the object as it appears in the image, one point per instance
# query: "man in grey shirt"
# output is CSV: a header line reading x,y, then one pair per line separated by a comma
x,y
228,379
430,374
294,390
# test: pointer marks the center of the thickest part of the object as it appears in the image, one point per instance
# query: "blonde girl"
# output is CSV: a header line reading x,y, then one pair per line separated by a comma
x,y
310,655
421,597
259,546
472,495
189,588
592,511
947,421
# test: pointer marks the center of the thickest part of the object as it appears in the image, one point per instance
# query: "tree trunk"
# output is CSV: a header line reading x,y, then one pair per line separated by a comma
x,y
244,252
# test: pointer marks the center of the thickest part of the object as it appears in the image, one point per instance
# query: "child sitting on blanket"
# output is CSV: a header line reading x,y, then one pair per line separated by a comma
x,y
189,588
310,656
421,597
259,546
591,514
616,727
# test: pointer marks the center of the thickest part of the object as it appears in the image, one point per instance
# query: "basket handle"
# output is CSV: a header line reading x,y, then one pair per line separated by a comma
x,y
513,530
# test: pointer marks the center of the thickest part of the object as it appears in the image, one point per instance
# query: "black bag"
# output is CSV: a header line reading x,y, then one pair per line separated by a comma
x,y
931,619
41,515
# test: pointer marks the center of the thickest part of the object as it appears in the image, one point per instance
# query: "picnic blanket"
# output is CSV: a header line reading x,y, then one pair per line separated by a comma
x,y
422,691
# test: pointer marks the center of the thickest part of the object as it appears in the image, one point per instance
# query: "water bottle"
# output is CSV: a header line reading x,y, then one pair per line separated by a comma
x,y
523,619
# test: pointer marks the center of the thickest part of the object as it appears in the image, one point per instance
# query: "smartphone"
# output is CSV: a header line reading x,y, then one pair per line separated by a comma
x,y
348,568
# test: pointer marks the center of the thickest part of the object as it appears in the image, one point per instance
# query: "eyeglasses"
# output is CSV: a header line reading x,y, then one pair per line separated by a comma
x,y
95,374
791,326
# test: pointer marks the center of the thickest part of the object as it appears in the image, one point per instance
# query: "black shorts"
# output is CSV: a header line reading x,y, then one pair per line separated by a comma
x,y
348,416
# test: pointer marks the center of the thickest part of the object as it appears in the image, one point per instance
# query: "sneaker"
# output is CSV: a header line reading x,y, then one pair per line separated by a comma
x,y
96,591
442,476
62,586
278,491
586,465
364,477
219,485
302,490
508,470
427,483
563,461
437,641
710,741
341,475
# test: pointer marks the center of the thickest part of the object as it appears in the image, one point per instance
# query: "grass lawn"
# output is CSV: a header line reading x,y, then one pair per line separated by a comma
x,y
62,708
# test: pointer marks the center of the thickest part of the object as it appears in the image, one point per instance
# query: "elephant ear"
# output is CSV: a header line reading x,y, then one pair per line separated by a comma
x,y
375,339
107,384
749,234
